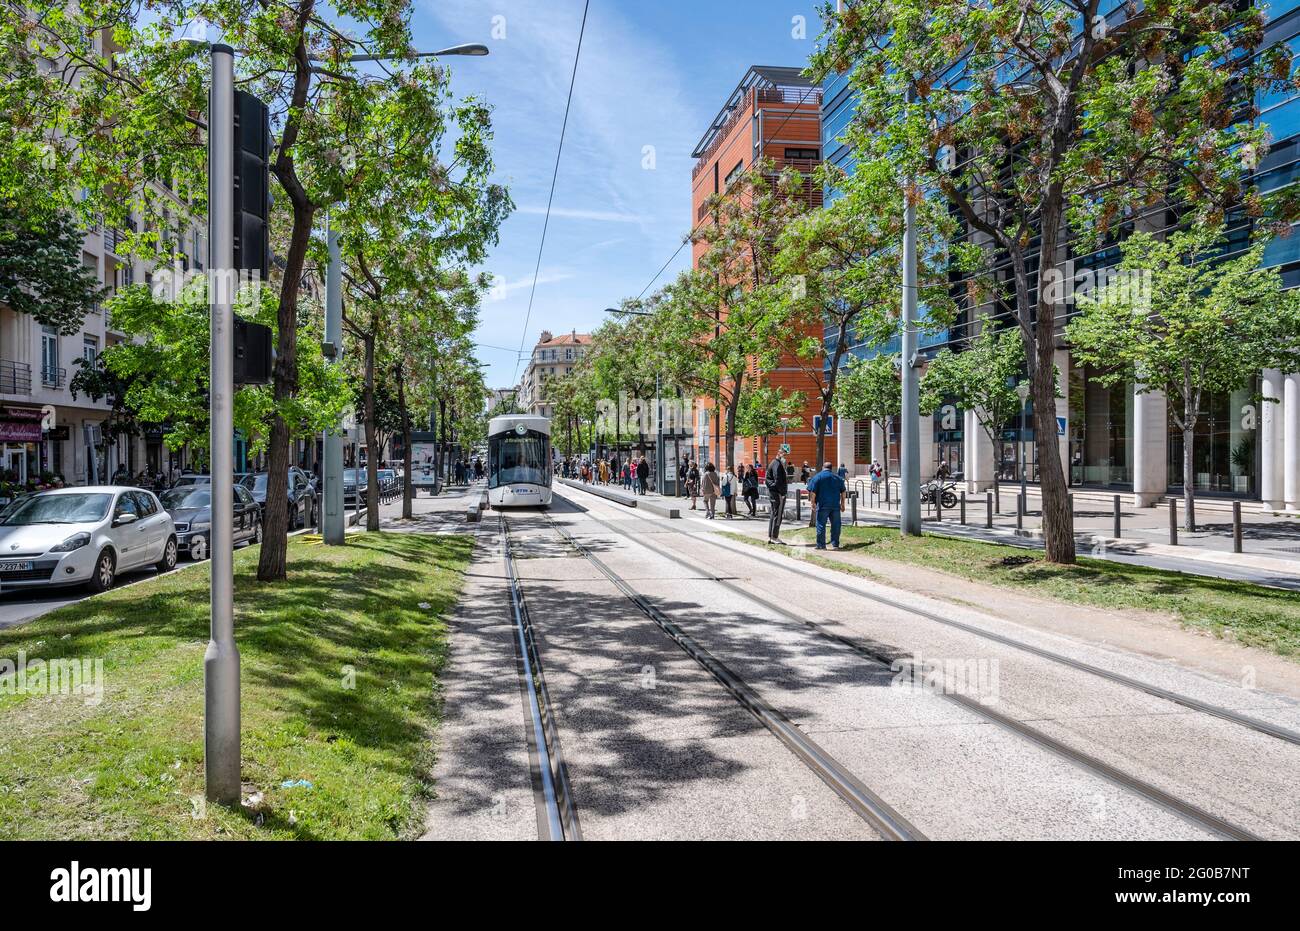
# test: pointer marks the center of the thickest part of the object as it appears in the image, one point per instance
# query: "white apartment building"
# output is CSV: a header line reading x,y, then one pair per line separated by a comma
x,y
553,356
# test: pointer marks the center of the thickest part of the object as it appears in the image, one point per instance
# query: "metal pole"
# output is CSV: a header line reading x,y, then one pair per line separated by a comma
x,y
909,514
221,661
963,508
661,459
1116,529
988,509
1236,526
332,474
1024,491
1173,522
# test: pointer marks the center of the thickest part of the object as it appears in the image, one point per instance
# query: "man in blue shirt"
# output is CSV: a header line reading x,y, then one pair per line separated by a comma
x,y
828,492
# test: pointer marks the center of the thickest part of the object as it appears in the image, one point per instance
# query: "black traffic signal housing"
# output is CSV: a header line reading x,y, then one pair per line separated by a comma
x,y
254,356
252,186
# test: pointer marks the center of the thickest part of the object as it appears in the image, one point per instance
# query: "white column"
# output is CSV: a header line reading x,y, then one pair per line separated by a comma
x,y
1063,410
1150,448
1271,440
1291,441
877,443
845,433
978,454
928,462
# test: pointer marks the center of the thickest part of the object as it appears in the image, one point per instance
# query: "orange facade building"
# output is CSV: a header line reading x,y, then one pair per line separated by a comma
x,y
774,113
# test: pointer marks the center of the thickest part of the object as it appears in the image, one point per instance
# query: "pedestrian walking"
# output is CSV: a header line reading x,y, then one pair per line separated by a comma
x,y
827,493
711,487
749,488
777,485
805,473
683,470
693,484
604,471
729,483
876,473
843,472
642,475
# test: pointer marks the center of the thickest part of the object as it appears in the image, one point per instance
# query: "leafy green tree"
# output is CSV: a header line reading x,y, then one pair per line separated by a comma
x,y
130,133
624,365
41,273
843,271
163,372
767,411
1049,124
871,389
1180,320
717,320
982,378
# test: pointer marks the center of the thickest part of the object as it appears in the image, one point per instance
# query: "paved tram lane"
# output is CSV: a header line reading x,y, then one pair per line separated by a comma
x,y
654,747
944,767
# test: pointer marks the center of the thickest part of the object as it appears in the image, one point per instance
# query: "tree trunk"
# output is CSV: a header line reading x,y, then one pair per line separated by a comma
x,y
271,564
1189,477
1058,522
407,488
372,448
730,430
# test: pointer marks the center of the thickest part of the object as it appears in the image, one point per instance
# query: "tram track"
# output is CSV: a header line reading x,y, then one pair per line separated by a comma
x,y
1267,728
557,815
919,673
865,803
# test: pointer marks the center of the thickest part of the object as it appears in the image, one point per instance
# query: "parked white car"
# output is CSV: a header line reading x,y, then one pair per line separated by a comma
x,y
88,536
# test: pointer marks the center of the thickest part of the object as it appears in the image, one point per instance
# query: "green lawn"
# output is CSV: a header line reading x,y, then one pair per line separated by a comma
x,y
1251,614
132,765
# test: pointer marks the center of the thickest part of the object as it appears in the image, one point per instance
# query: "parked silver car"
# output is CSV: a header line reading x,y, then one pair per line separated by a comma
x,y
87,535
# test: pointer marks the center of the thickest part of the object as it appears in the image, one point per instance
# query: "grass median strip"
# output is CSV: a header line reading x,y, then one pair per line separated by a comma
x,y
1254,615
340,668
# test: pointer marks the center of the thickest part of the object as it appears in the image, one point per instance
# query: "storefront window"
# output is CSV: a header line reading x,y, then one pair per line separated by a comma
x,y
1225,451
948,436
1101,431
1017,436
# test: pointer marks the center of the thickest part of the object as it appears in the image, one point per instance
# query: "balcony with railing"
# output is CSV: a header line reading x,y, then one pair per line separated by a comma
x,y
15,377
52,376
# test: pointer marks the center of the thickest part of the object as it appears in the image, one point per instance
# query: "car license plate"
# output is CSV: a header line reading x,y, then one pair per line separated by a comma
x,y
15,566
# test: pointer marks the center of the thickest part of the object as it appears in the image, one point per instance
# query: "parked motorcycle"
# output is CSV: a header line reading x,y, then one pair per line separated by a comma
x,y
945,492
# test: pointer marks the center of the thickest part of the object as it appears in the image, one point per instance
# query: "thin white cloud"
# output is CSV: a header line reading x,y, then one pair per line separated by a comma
x,y
502,289
595,216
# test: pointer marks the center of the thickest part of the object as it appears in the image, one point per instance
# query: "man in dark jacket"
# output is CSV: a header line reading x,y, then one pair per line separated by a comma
x,y
643,475
776,488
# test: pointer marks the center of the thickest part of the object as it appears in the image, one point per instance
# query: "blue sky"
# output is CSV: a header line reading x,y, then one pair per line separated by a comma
x,y
653,73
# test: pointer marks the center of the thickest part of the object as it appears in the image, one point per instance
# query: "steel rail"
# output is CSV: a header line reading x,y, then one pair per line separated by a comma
x,y
557,816
921,674
1264,727
865,803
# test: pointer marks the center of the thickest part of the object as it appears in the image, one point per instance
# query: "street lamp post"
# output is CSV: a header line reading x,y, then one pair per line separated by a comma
x,y
1022,390
909,496
221,750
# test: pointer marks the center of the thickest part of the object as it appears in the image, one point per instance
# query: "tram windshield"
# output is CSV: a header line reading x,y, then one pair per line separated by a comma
x,y
515,459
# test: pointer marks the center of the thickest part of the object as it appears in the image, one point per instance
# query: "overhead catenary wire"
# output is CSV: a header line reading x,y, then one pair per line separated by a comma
x,y
546,222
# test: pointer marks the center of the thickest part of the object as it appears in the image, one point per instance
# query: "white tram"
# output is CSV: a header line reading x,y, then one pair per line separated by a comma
x,y
519,461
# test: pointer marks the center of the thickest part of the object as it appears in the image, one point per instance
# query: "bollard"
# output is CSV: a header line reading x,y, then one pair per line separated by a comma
x,y
1173,522
1020,512
854,501
938,506
963,509
798,505
988,510
1236,526
1116,529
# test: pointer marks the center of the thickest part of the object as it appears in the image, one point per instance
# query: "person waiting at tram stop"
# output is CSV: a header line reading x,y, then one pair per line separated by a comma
x,y
827,493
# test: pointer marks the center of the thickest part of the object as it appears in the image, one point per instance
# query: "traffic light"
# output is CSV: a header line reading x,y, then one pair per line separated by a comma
x,y
253,353
252,186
